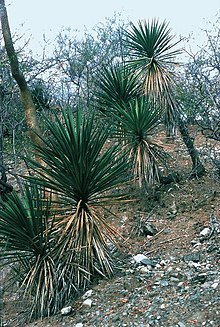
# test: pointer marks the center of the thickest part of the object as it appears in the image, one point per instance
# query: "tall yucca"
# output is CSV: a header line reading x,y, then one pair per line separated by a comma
x,y
134,118
153,57
85,173
138,120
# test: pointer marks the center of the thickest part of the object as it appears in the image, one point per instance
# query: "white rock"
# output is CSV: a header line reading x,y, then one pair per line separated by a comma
x,y
87,302
194,264
169,269
66,310
79,324
205,231
139,257
144,270
87,294
206,285
215,285
196,245
180,284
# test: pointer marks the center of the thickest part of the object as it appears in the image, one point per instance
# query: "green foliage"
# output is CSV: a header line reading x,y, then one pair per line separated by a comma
x,y
137,121
83,171
116,85
26,240
60,245
152,58
150,47
78,165
149,71
134,118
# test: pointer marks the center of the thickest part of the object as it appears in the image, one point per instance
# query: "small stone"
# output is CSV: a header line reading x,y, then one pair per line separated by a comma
x,y
79,324
148,262
205,231
195,265
158,266
215,285
206,285
164,283
194,298
173,209
167,231
195,257
181,324
174,279
169,269
65,311
139,257
87,294
144,270
87,302
180,284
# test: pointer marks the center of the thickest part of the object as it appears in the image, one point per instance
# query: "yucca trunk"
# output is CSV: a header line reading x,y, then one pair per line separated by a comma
x,y
198,169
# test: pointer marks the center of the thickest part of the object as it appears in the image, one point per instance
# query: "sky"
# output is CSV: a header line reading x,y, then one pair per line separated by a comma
x,y
35,18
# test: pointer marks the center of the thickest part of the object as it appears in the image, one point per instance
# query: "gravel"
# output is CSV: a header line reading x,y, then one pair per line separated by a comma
x,y
176,291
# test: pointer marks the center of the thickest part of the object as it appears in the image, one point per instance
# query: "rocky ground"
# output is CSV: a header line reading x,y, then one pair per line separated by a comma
x,y
168,272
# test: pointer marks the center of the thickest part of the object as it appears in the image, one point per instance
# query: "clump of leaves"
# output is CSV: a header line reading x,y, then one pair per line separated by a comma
x,y
116,85
137,122
84,172
26,242
153,53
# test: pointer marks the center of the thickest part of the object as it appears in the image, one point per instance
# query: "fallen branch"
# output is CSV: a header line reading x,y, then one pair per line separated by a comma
x,y
167,241
172,239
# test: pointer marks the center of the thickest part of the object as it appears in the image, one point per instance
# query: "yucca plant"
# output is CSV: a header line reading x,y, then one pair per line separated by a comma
x,y
153,57
85,173
153,52
138,120
116,85
27,245
134,118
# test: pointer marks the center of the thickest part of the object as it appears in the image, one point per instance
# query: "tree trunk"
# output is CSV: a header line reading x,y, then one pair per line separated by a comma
x,y
25,93
198,169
